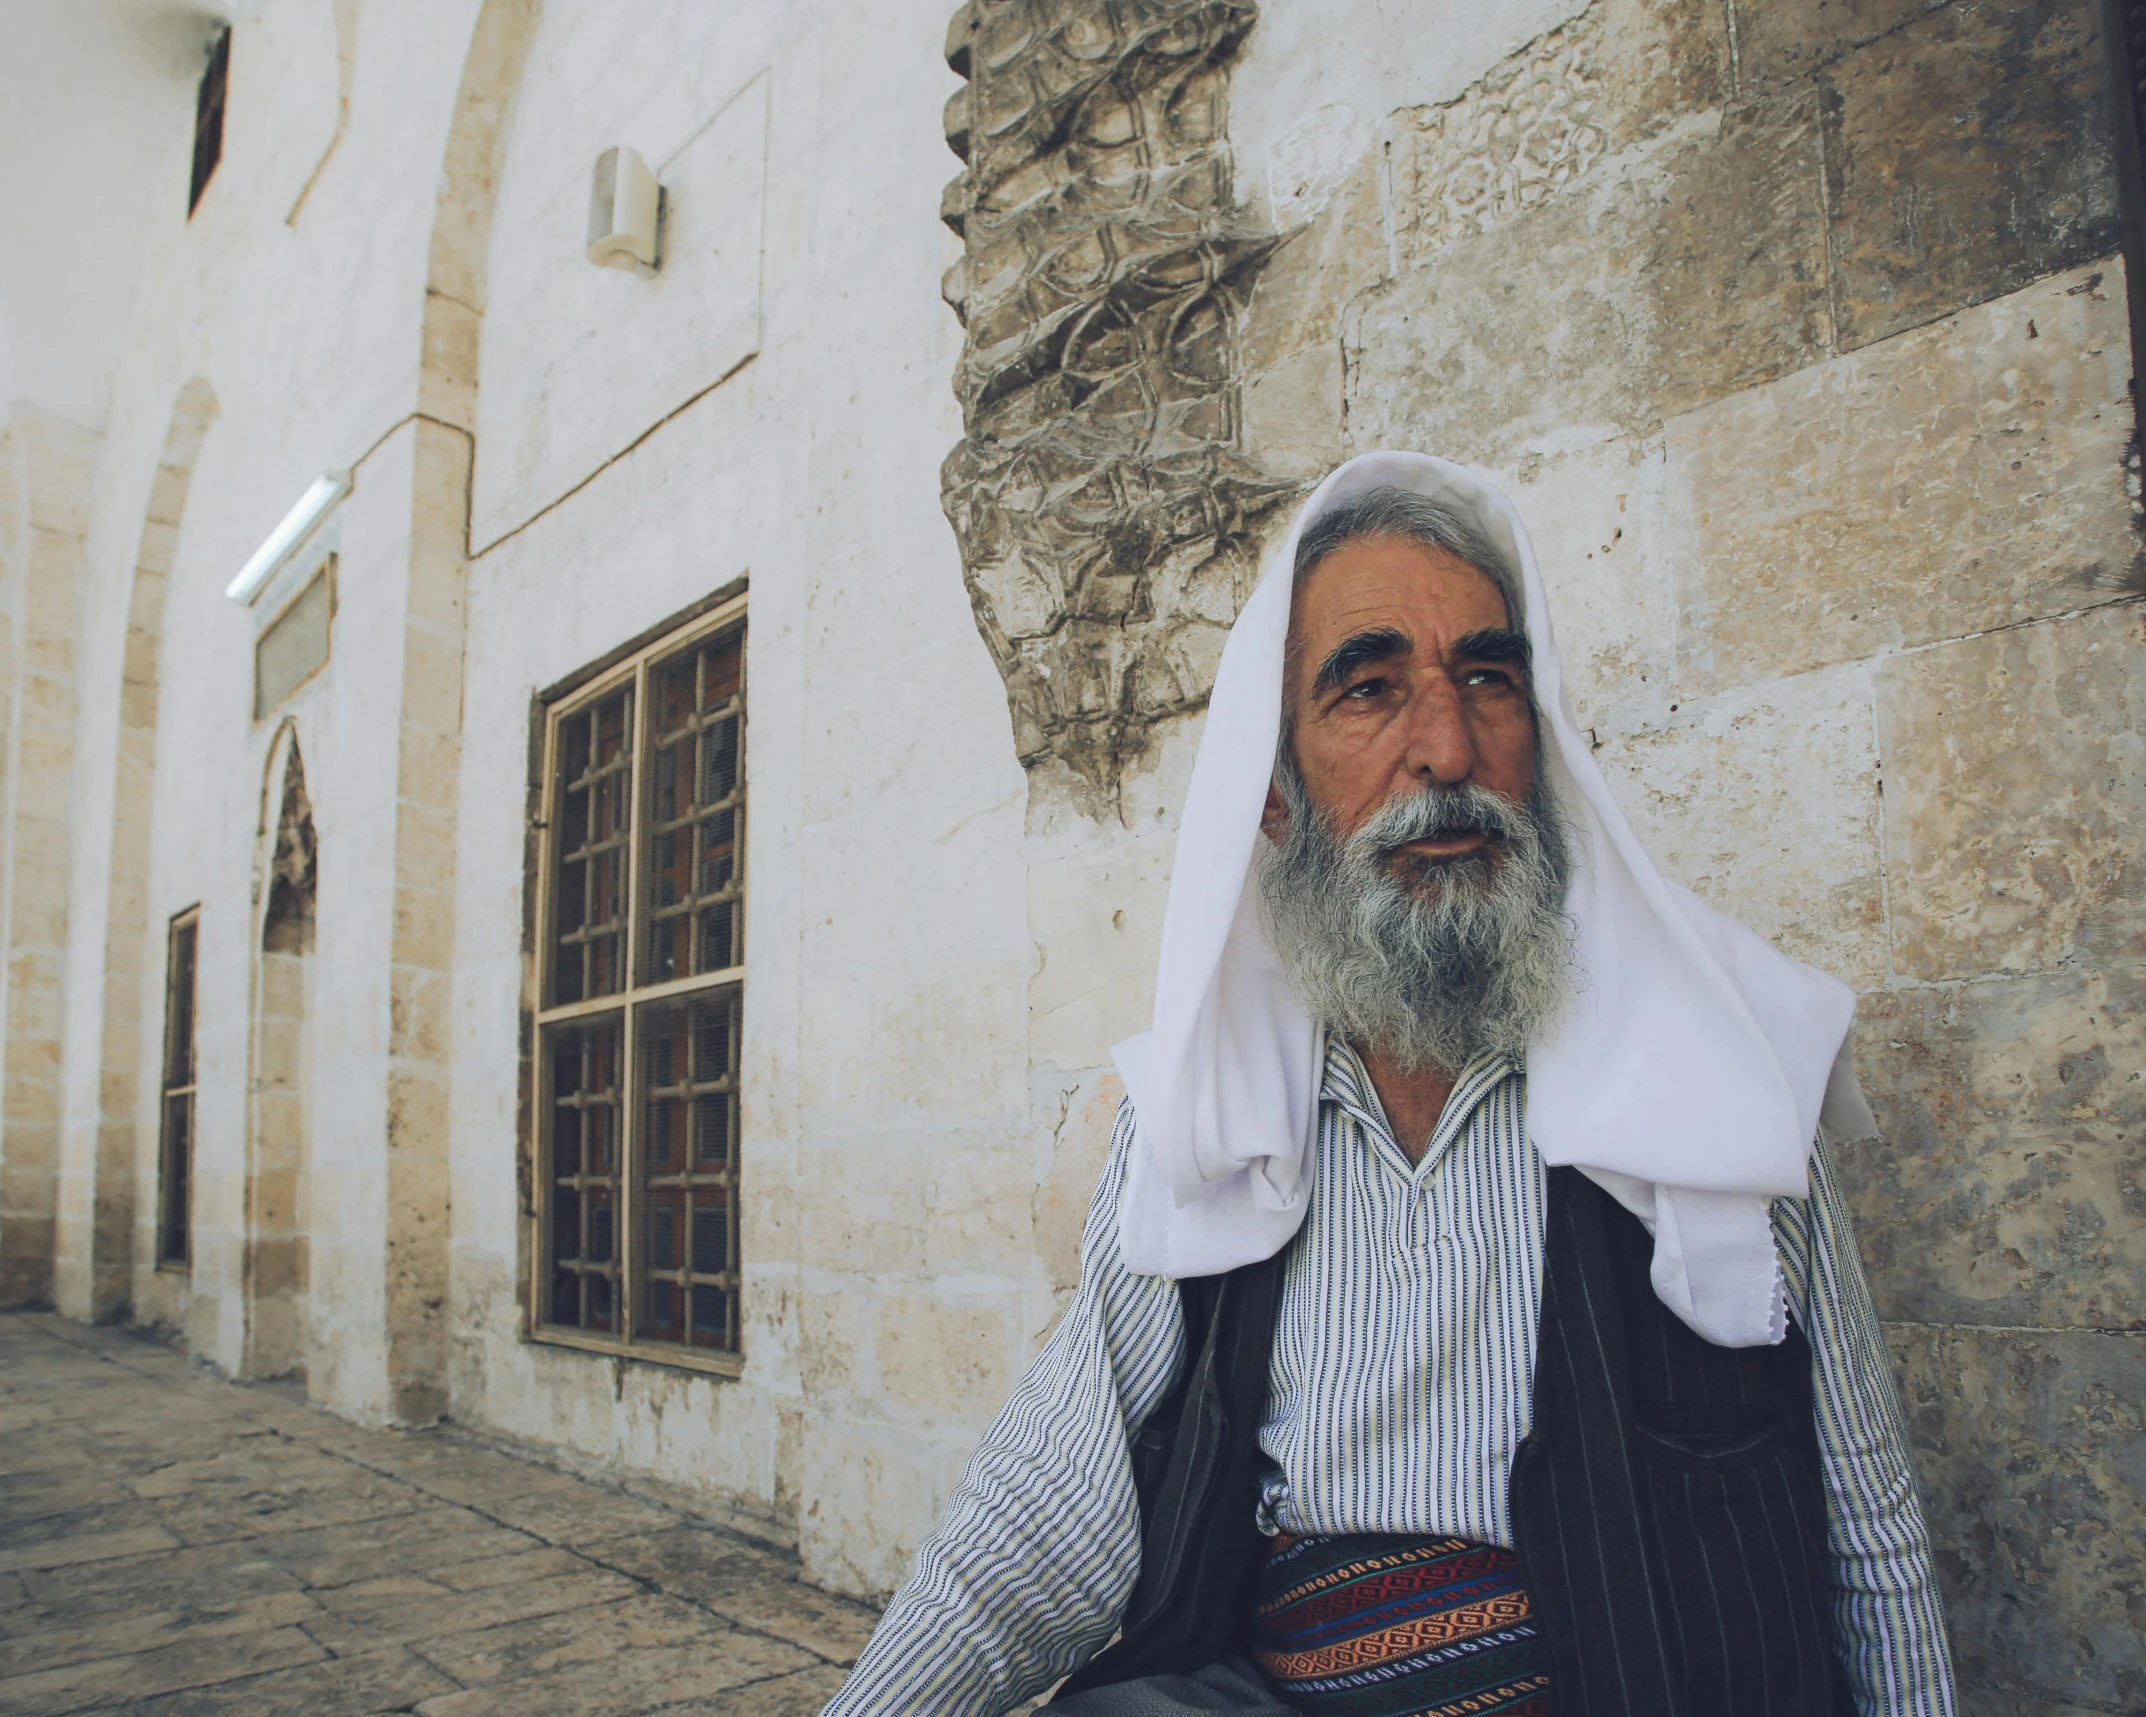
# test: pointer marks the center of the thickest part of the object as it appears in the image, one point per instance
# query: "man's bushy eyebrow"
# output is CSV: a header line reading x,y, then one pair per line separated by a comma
x,y
1495,644
1359,650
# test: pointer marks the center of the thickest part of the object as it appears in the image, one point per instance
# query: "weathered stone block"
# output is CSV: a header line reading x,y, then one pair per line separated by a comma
x,y
432,680
166,504
1964,476
963,1035
976,1206
939,1360
1533,125
2016,788
1970,152
862,1206
2010,1183
835,1066
2031,1447
1321,265
1292,413
1693,269
1097,919
851,1471
418,1003
1080,1147
1778,41
1606,545
1765,804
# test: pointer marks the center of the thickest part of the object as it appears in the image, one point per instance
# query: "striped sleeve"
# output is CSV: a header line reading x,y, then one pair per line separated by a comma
x,y
1888,1619
1032,1562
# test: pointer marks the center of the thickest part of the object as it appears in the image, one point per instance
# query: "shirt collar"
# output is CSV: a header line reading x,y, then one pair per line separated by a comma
x,y
1345,1083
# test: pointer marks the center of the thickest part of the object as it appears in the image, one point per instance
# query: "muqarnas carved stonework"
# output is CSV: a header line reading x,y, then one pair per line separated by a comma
x,y
1106,509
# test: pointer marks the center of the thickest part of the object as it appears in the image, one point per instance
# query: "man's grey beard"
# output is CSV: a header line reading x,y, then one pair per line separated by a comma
x,y
1429,962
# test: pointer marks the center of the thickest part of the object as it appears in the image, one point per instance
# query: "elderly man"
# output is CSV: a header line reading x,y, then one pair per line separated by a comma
x,y
1468,1320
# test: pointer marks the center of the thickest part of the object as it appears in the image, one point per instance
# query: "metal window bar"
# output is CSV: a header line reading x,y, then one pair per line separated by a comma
x,y
584,1139
175,1142
592,829
687,1171
696,812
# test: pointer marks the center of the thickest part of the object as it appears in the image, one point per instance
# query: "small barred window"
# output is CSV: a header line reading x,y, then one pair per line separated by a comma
x,y
175,1142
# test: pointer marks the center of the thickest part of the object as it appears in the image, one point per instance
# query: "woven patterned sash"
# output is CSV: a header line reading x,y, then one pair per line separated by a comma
x,y
1379,1626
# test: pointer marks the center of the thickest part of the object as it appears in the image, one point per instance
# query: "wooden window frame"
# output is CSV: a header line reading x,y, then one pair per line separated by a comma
x,y
631,665
187,923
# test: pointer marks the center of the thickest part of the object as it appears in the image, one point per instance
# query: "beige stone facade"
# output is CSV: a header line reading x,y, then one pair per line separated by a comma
x,y
1800,332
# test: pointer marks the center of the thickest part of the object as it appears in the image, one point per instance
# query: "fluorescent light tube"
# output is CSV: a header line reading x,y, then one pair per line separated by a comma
x,y
328,488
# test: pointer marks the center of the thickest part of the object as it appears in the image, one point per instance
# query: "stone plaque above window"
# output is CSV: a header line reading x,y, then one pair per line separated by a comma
x,y
293,647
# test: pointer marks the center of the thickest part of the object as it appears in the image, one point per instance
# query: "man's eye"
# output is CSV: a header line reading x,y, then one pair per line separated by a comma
x,y
1365,689
1485,677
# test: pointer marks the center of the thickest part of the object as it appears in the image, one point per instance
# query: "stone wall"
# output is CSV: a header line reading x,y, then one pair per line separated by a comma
x,y
47,464
1798,335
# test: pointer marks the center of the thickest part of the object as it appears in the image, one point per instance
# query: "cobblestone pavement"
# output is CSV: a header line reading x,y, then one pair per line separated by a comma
x,y
172,1543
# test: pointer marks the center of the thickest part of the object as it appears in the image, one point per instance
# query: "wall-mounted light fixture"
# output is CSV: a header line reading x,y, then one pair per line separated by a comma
x,y
298,524
625,204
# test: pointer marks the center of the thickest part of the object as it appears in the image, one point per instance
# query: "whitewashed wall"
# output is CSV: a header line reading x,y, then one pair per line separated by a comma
x,y
889,1271
885,1203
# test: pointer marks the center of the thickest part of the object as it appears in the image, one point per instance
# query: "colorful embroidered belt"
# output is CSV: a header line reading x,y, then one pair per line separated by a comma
x,y
1399,1627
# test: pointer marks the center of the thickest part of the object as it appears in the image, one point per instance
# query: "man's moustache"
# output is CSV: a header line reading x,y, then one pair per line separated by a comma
x,y
1439,813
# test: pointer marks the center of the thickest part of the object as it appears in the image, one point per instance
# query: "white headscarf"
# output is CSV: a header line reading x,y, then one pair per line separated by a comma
x,y
1686,1078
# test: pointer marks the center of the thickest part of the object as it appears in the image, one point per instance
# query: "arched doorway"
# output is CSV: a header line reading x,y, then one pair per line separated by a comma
x,y
279,1146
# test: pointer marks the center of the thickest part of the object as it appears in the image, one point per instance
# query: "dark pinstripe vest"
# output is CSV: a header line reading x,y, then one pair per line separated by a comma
x,y
1667,1505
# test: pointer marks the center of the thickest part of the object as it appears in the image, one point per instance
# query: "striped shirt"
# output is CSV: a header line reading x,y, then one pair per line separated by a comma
x,y
1399,1389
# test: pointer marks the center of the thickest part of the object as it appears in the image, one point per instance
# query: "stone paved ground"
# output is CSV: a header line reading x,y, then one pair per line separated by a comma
x,y
171,1543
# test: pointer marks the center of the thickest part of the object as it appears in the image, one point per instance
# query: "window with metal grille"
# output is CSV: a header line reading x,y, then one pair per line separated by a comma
x,y
175,1142
641,989
209,118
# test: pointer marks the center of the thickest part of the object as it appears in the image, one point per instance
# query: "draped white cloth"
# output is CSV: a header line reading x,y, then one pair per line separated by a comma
x,y
1687,1077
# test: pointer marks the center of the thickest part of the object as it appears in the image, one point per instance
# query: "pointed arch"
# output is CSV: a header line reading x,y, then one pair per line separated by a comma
x,y
122,1164
276,1268
421,955
293,855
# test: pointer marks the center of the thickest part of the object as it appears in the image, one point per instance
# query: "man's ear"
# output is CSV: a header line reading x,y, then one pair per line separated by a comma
x,y
1274,816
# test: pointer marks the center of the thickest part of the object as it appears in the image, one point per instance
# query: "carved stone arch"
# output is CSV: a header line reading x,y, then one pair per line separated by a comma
x,y
276,1272
98,1256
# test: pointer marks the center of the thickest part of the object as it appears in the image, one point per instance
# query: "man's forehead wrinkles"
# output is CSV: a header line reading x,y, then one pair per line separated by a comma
x,y
1454,608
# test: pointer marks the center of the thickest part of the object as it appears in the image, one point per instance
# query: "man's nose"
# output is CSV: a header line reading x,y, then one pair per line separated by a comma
x,y
1440,746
